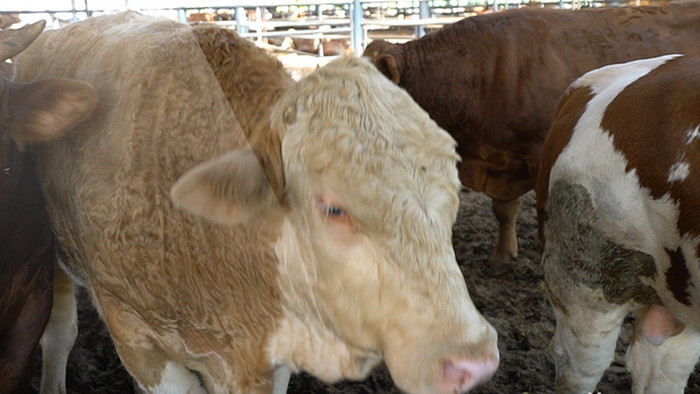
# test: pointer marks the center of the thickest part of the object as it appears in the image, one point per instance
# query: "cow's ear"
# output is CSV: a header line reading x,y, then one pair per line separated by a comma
x,y
43,110
386,64
230,189
14,41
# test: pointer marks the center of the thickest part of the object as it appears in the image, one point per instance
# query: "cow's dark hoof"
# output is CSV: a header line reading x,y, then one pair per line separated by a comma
x,y
498,267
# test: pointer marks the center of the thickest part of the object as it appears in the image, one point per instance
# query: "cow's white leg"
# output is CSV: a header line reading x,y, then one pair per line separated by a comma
x,y
154,373
507,245
584,341
177,379
663,368
59,335
281,379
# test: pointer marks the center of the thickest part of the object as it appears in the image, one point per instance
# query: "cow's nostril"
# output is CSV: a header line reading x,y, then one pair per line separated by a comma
x,y
463,375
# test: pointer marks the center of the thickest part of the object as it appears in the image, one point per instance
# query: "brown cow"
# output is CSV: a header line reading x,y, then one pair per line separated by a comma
x,y
618,200
200,17
494,81
321,46
28,112
339,211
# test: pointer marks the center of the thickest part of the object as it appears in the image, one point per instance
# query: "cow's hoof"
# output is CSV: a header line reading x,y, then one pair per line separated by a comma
x,y
499,266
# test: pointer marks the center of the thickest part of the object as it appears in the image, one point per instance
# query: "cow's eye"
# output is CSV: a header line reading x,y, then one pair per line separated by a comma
x,y
332,210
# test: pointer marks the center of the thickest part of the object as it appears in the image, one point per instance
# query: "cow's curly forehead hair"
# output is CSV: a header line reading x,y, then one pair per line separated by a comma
x,y
347,123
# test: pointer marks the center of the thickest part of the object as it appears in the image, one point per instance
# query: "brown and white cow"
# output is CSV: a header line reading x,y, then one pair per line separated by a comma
x,y
337,250
494,81
618,199
28,112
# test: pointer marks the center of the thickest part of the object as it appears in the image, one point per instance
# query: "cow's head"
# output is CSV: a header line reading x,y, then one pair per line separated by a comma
x,y
370,190
42,110
387,57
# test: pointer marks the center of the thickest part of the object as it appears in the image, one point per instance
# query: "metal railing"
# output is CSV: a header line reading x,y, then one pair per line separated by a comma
x,y
355,26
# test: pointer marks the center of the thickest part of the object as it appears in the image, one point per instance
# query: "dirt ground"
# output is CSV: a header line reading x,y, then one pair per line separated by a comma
x,y
513,302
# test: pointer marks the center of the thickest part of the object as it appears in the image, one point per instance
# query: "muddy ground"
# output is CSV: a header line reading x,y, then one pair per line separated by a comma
x,y
513,302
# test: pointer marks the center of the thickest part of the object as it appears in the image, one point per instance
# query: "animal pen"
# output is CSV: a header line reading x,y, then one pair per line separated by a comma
x,y
357,22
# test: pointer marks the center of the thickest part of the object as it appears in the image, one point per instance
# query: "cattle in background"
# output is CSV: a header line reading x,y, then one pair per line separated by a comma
x,y
338,247
28,112
494,81
321,46
618,201
224,15
200,17
218,15
7,19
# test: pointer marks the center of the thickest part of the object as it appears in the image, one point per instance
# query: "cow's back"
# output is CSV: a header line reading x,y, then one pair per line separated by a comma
x,y
151,124
494,81
513,69
161,111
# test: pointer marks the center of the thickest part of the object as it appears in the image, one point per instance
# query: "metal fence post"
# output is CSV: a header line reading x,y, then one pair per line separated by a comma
x,y
356,22
423,13
241,18
182,15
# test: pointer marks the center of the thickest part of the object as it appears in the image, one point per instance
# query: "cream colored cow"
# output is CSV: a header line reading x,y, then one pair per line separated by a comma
x,y
337,196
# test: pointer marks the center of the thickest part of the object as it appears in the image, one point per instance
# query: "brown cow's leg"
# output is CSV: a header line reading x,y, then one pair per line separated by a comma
x,y
25,304
507,245
59,335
